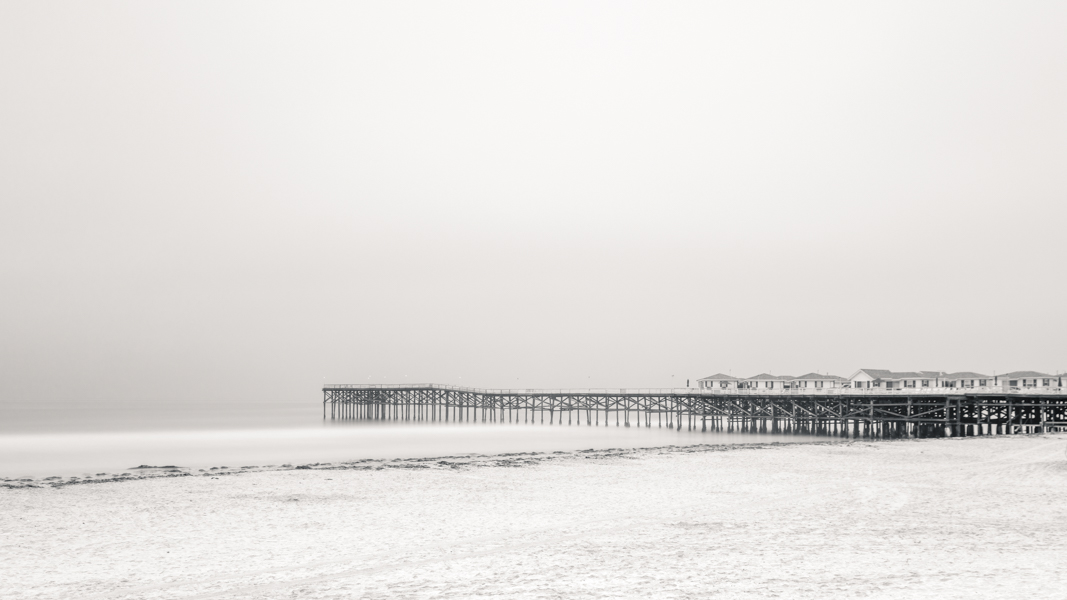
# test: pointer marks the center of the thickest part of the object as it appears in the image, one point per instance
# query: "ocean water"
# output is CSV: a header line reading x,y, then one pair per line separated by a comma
x,y
66,441
104,416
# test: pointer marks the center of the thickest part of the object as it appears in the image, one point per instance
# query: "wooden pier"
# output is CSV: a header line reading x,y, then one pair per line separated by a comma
x,y
938,412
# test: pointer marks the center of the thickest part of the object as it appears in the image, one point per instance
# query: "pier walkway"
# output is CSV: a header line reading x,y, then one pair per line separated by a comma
x,y
923,412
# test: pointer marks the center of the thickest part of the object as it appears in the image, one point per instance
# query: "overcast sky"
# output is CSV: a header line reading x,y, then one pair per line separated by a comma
x,y
236,201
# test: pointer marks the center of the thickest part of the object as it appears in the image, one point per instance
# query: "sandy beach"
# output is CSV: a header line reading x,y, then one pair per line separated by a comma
x,y
949,518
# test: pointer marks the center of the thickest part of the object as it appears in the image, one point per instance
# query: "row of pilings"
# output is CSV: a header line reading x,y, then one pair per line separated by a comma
x,y
952,424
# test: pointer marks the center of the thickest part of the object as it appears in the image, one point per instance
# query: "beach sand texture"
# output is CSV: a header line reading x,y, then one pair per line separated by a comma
x,y
947,518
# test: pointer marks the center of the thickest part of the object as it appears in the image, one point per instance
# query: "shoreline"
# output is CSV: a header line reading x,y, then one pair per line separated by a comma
x,y
457,461
31,458
472,460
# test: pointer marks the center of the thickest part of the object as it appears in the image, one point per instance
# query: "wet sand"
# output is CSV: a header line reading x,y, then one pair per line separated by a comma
x,y
950,518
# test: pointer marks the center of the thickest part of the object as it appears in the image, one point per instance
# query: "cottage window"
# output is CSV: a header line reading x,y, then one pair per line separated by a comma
x,y
1014,383
982,382
926,383
818,384
770,384
1044,382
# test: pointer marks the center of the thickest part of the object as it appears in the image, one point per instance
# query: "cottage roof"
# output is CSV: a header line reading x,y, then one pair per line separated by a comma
x,y
718,377
965,375
820,377
875,373
769,377
886,374
1025,374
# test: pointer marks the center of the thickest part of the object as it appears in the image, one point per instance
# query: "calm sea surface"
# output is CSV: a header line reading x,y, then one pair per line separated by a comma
x,y
74,441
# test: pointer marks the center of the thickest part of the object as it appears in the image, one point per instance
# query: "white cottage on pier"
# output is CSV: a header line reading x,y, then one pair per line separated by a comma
x,y
966,379
817,381
894,380
1028,379
766,381
718,382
